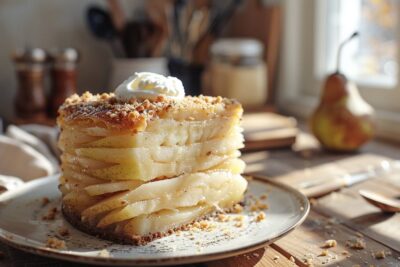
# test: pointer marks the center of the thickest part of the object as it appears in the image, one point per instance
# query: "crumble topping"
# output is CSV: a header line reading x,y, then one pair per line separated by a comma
x,y
134,113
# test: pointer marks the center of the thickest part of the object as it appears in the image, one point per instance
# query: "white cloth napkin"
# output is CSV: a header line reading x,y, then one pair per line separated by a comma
x,y
26,157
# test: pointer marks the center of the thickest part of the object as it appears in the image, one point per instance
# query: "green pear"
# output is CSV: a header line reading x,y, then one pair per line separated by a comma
x,y
343,120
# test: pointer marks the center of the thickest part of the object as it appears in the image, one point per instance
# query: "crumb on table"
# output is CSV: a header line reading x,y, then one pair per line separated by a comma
x,y
324,253
356,244
308,262
329,243
313,202
53,242
379,255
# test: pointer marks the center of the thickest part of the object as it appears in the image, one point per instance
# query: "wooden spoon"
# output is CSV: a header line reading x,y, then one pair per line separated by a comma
x,y
386,204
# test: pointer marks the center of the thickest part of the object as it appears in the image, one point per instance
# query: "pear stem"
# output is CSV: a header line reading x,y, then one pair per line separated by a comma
x,y
339,54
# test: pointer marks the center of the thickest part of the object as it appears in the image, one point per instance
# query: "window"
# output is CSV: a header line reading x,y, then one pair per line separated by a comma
x,y
313,30
372,58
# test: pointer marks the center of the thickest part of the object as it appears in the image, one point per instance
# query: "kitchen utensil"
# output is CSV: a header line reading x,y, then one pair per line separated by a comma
x,y
101,25
320,187
159,15
117,15
138,38
385,203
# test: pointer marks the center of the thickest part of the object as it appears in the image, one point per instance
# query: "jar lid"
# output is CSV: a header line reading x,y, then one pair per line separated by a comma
x,y
65,55
237,47
29,55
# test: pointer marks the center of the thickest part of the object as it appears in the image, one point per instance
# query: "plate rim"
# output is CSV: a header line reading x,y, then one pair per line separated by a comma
x,y
88,259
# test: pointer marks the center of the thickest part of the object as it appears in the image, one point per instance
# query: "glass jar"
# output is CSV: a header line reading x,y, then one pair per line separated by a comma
x,y
238,71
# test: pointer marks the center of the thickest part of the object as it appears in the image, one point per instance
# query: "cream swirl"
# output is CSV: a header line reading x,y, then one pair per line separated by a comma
x,y
147,85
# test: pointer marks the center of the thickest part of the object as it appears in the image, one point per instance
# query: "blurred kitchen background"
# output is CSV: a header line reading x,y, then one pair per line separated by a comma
x,y
272,55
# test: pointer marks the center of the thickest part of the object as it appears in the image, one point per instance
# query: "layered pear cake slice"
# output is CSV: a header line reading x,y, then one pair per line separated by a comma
x,y
137,168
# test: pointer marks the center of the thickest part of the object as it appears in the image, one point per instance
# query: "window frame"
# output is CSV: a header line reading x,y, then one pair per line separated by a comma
x,y
299,87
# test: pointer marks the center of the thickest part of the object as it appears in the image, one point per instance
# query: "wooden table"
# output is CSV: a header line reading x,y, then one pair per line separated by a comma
x,y
341,216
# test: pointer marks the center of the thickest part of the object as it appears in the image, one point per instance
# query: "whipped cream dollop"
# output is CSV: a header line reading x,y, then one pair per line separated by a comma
x,y
147,85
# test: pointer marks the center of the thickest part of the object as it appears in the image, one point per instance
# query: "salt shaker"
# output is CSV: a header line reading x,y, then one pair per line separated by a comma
x,y
63,77
238,71
30,100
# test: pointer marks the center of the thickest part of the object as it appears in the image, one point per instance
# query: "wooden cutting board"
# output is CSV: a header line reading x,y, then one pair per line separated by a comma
x,y
265,130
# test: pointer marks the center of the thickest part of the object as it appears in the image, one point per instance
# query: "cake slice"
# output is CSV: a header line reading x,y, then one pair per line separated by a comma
x,y
137,169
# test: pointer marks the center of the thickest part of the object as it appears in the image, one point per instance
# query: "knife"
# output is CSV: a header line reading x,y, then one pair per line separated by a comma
x,y
320,187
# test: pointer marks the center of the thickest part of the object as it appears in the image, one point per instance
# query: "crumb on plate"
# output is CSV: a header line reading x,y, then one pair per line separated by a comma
x,y
260,216
45,201
104,253
63,231
222,217
239,224
237,208
258,205
53,242
51,214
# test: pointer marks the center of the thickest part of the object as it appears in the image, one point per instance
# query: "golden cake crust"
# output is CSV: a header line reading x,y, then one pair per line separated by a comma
x,y
105,110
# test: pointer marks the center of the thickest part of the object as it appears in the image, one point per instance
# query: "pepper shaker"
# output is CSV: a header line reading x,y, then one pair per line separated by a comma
x,y
30,101
63,77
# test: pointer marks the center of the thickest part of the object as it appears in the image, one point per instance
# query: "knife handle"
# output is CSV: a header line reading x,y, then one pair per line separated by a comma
x,y
324,188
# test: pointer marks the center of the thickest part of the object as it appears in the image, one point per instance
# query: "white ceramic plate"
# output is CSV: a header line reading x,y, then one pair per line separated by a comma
x,y
21,226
